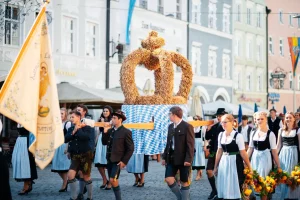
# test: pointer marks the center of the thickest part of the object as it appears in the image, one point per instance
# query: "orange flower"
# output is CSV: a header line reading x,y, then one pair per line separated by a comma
x,y
247,192
284,178
279,170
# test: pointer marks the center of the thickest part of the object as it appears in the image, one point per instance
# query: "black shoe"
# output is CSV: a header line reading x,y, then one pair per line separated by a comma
x,y
80,197
140,185
136,183
89,199
107,188
103,186
213,195
64,189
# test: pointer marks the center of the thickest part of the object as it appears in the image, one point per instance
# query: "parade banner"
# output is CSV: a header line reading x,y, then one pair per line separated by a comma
x,y
294,44
29,94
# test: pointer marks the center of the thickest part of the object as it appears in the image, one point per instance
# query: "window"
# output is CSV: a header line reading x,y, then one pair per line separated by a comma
x,y
196,12
196,59
212,63
238,13
237,46
259,83
212,17
161,6
259,19
178,50
239,81
298,82
291,20
144,4
298,21
178,9
259,52
281,47
249,16
226,66
271,45
91,39
248,82
226,19
280,17
249,49
69,41
291,80
12,26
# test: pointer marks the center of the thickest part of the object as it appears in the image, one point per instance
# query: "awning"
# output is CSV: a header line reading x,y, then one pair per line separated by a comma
x,y
211,108
69,93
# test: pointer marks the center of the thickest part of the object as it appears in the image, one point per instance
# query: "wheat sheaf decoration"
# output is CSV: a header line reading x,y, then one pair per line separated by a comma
x,y
153,57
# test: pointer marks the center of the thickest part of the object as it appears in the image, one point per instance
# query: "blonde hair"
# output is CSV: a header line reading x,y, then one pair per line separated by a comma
x,y
295,125
229,117
66,112
262,113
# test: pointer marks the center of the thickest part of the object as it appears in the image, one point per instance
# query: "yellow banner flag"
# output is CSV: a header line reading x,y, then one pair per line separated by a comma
x,y
29,94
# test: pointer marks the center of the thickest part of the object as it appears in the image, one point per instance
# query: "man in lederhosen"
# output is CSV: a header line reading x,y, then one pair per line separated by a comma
x,y
274,123
179,153
120,148
212,135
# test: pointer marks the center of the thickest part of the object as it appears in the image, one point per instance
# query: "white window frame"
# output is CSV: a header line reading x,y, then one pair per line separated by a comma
x,y
259,51
259,19
237,46
73,32
248,81
212,14
259,82
291,20
249,16
212,61
249,48
298,82
226,18
11,21
178,9
298,22
196,12
280,17
291,81
226,66
271,47
91,36
238,12
160,7
281,47
196,58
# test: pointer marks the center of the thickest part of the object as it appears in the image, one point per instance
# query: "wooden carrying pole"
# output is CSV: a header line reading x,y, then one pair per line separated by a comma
x,y
150,125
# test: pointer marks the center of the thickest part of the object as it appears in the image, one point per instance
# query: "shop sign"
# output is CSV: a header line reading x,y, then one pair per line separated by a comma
x,y
152,27
274,97
249,99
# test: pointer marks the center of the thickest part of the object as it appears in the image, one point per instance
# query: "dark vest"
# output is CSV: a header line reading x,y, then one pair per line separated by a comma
x,y
274,126
231,147
291,141
262,145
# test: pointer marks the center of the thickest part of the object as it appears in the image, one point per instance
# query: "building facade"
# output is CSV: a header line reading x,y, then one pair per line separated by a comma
x,y
282,25
164,16
249,47
210,48
77,37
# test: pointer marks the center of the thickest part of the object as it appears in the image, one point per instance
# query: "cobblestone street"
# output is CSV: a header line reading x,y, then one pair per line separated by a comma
x,y
48,184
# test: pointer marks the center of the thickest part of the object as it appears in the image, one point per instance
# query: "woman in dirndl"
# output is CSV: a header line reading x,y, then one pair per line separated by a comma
x,y
288,146
100,155
24,167
262,147
138,165
61,162
199,158
230,158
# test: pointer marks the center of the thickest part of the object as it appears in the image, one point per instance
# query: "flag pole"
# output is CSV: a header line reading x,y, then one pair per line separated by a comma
x,y
294,97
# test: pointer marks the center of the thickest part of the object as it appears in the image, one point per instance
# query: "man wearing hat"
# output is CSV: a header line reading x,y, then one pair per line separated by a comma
x,y
212,135
120,147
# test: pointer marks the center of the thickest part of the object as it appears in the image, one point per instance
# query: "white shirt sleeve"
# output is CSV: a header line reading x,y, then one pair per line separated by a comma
x,y
240,141
272,140
219,140
251,139
68,125
280,124
298,132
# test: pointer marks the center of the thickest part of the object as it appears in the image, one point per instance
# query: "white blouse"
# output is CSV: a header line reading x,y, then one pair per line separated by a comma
x,y
68,125
272,138
291,134
228,139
